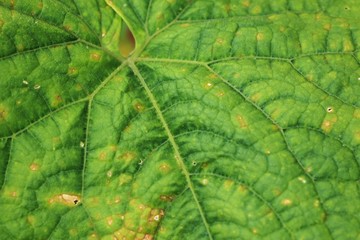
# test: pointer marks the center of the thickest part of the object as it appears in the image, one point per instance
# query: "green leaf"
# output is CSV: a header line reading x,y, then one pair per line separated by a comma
x,y
232,119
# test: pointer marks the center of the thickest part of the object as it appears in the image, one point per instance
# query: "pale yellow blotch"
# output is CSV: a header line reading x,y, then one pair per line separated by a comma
x,y
164,168
220,94
282,29
171,1
327,26
34,167
56,101
102,156
127,156
82,144
356,113
302,179
117,200
267,152
286,202
276,191
273,17
220,41
316,203
256,10
309,77
318,16
148,237
228,184
40,5
254,231
95,56
93,235
242,189
109,221
109,174
20,47
328,124
4,113
276,113
103,34
242,122
246,3
260,36
348,46
205,181
14,194
72,71
31,219
124,178
309,169
185,25
208,85
256,97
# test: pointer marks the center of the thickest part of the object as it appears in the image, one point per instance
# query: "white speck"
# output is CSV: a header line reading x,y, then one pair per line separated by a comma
x,y
209,84
141,162
36,22
37,87
359,78
124,5
103,34
109,173
156,218
25,82
82,144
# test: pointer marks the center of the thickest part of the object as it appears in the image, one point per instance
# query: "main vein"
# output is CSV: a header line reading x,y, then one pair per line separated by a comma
x,y
178,157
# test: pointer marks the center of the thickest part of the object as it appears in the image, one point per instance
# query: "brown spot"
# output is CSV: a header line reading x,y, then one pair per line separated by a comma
x,y
40,5
57,100
148,237
65,199
228,184
128,156
282,29
109,221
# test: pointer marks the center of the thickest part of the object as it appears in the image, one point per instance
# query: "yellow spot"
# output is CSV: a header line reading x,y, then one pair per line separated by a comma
x,y
267,152
127,156
34,167
242,122
259,36
282,29
208,85
109,221
20,47
109,174
139,107
327,26
167,198
56,100
309,169
328,124
242,189
14,194
185,25
93,235
72,71
254,231
95,56
309,77
40,5
286,202
148,237
316,203
117,200
31,219
66,199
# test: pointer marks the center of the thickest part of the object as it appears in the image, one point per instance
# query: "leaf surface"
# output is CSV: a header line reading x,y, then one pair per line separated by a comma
x,y
232,119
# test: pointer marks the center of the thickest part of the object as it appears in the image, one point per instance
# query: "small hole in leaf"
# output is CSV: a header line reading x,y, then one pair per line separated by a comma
x,y
194,163
76,201
329,109
127,41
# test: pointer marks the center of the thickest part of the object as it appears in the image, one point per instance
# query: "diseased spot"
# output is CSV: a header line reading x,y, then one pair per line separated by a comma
x,y
124,178
282,29
171,1
286,202
127,156
348,46
256,10
72,71
167,198
316,203
109,174
246,3
220,94
139,107
148,237
13,194
208,85
34,167
31,219
330,109
95,56
327,26
40,5
141,162
82,144
254,231
228,184
117,200
4,112
56,101
102,156
309,169
194,163
164,168
328,124
185,25
20,47
220,41
37,86
259,36
242,122
204,181
267,152
109,221
25,82
103,34
65,199
302,179
156,217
